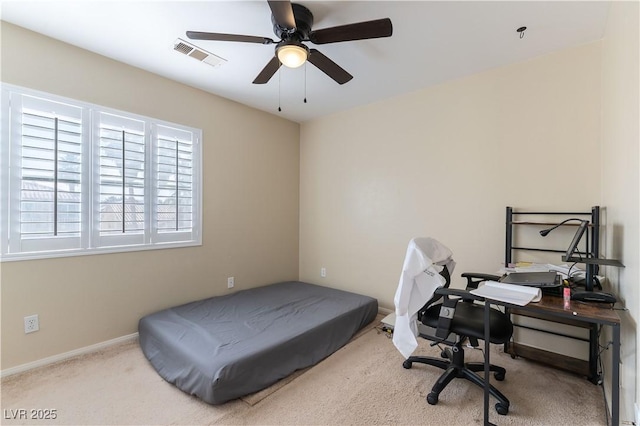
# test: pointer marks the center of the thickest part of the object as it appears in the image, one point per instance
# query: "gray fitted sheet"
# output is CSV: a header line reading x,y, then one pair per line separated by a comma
x,y
225,347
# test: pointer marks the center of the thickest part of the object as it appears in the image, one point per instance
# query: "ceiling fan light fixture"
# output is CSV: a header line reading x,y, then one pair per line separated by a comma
x,y
292,55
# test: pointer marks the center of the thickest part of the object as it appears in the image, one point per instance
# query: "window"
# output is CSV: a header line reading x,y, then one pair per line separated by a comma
x,y
79,179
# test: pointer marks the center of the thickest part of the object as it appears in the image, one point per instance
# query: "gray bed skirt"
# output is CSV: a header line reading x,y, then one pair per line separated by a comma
x,y
226,347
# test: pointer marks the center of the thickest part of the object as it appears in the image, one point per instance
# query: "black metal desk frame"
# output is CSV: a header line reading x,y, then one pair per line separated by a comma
x,y
591,261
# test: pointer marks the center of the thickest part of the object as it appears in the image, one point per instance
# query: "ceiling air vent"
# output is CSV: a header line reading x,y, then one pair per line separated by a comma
x,y
189,49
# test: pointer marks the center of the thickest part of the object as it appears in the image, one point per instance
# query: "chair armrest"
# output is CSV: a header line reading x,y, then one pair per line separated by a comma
x,y
464,294
475,278
484,277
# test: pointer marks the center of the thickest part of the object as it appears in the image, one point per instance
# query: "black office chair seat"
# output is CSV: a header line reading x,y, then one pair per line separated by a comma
x,y
468,320
468,324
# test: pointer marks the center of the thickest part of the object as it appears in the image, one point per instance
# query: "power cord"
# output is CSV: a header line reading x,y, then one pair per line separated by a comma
x,y
387,331
601,374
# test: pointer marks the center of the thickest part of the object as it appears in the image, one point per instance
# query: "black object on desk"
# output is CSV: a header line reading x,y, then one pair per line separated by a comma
x,y
593,296
532,279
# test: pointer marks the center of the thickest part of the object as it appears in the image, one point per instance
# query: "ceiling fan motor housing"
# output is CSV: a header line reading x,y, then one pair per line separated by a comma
x,y
304,22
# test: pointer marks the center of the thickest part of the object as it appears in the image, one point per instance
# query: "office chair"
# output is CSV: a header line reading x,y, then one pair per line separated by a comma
x,y
466,322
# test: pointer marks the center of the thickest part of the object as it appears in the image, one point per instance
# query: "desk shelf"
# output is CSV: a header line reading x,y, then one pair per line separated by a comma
x,y
521,222
552,359
549,317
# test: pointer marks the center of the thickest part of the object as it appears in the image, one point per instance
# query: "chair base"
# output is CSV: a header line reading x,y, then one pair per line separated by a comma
x,y
455,367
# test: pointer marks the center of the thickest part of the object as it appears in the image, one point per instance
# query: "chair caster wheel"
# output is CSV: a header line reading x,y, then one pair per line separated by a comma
x,y
407,364
432,398
499,376
502,409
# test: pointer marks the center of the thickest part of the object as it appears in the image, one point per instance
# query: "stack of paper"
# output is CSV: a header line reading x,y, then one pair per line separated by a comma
x,y
509,293
533,267
564,269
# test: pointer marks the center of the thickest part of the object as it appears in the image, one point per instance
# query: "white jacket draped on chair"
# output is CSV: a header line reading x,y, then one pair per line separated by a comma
x,y
420,278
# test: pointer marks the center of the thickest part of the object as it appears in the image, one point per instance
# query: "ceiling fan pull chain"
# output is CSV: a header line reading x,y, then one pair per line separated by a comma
x,y
279,91
305,82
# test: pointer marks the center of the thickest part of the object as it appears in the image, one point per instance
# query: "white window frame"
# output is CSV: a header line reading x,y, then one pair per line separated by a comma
x,y
13,247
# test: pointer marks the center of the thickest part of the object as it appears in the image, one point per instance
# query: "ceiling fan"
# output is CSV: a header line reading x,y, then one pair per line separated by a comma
x,y
292,23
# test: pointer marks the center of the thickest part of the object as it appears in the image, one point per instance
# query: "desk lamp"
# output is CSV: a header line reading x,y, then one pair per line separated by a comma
x,y
588,295
574,243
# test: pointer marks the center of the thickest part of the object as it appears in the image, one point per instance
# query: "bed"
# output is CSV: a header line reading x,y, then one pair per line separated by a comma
x,y
226,347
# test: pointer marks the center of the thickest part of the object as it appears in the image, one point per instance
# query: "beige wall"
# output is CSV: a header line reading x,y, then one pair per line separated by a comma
x,y
250,200
445,162
621,181
556,132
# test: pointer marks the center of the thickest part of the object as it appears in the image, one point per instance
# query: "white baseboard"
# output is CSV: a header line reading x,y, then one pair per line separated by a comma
x,y
64,356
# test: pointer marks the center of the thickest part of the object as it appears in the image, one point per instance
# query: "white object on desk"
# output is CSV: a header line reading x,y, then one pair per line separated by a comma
x,y
508,293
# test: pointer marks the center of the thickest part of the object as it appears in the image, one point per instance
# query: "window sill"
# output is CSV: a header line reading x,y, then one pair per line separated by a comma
x,y
89,252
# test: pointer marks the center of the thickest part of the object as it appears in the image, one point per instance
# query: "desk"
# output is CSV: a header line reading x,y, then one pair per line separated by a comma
x,y
589,368
588,313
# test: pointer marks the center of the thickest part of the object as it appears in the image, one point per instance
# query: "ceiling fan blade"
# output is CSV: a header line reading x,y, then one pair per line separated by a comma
x,y
283,13
196,35
268,71
329,67
358,31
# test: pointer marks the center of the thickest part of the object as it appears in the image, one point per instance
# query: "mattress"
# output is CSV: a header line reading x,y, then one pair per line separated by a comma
x,y
225,347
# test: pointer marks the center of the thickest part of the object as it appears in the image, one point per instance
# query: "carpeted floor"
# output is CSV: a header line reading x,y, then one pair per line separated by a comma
x,y
362,383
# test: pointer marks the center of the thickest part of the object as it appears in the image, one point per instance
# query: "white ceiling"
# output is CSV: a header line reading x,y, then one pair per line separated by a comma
x,y
432,42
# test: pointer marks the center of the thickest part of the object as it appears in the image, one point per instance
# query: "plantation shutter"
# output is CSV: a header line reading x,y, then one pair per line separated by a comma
x,y
47,175
174,198
119,195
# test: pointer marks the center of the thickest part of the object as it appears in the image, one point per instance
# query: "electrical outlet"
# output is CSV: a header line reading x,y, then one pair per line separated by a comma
x,y
230,282
31,324
323,272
